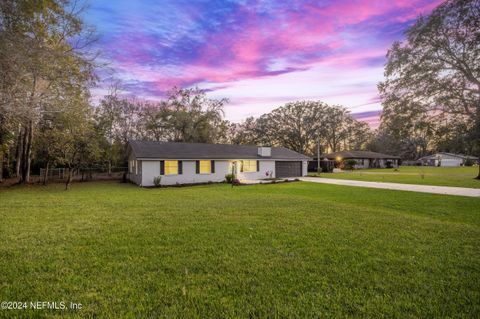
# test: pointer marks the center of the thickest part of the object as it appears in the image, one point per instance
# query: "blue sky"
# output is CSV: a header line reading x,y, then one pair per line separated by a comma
x,y
258,54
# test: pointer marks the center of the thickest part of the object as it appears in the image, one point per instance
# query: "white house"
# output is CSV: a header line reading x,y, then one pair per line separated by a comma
x,y
190,163
446,159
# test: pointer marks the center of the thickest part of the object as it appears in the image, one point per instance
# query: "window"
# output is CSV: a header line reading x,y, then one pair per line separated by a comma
x,y
205,167
171,167
249,166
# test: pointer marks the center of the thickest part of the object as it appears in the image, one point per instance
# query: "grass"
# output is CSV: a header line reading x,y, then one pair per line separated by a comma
x,y
440,176
293,250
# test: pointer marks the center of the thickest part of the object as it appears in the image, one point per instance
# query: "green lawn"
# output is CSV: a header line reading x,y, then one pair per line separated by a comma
x,y
300,250
441,176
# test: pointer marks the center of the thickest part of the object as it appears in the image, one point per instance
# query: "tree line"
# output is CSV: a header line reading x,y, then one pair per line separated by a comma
x,y
430,98
304,126
188,115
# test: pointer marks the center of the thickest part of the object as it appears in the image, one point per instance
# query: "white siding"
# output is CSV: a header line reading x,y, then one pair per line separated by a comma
x,y
134,170
265,166
444,160
305,168
359,165
450,162
151,169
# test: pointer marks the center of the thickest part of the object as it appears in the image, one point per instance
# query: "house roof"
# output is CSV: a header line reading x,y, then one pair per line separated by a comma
x,y
359,154
174,150
434,156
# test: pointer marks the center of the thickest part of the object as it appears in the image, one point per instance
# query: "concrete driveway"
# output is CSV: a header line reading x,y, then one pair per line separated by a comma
x,y
445,190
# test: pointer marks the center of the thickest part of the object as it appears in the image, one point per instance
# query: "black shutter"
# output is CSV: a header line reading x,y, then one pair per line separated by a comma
x,y
180,167
258,166
162,167
197,167
212,167
241,166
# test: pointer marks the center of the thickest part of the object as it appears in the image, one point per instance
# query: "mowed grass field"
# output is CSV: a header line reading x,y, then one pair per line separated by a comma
x,y
294,250
423,175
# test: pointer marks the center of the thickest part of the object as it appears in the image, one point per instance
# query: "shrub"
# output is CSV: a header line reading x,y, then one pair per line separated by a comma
x,y
229,178
157,181
349,164
389,164
469,162
236,181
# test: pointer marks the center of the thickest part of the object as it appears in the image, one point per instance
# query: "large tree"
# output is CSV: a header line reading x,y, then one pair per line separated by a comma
x,y
186,115
432,78
336,124
295,125
117,120
194,116
303,126
43,62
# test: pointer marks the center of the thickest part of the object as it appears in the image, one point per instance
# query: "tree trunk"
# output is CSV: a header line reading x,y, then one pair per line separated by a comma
x,y
109,168
7,164
18,153
319,169
45,174
477,137
69,178
27,152
23,161
29,149
1,166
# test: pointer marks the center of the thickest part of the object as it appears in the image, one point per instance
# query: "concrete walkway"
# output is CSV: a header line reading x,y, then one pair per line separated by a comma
x,y
446,190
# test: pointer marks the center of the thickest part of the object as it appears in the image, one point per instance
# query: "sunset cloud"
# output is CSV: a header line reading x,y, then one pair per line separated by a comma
x,y
259,54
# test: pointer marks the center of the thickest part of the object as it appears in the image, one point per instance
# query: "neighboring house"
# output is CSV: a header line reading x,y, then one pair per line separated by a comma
x,y
190,163
326,165
446,159
365,159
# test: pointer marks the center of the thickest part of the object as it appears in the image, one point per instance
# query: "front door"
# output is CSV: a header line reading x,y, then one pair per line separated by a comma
x,y
234,168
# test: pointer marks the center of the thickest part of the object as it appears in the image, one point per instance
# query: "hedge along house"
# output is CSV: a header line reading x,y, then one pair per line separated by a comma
x,y
191,163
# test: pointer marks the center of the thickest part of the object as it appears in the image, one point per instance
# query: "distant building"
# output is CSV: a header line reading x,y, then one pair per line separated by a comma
x,y
446,159
363,159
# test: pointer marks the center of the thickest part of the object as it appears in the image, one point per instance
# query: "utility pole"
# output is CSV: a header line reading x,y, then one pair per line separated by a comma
x,y
319,169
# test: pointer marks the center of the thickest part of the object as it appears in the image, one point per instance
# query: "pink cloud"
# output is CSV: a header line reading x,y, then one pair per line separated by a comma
x,y
221,46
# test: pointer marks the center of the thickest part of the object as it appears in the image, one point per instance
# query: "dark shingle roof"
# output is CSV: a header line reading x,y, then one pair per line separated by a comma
x,y
359,154
171,150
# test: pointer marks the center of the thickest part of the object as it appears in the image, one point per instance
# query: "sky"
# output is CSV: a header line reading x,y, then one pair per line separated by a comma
x,y
258,54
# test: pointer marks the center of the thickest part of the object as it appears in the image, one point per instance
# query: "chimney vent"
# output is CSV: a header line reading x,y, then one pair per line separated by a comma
x,y
264,151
